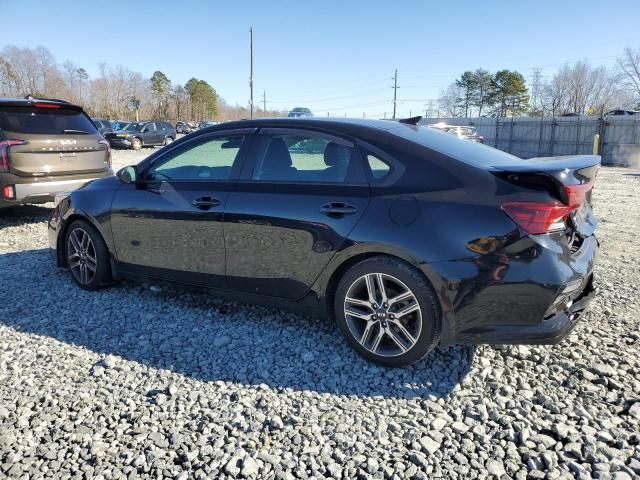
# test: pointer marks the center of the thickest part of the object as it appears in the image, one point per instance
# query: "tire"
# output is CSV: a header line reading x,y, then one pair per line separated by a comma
x,y
168,140
136,143
411,325
96,254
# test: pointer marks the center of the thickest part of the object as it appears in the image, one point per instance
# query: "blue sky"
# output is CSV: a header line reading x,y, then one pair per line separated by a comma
x,y
336,56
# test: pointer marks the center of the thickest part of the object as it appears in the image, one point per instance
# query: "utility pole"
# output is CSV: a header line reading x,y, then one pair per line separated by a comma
x,y
395,92
251,71
264,101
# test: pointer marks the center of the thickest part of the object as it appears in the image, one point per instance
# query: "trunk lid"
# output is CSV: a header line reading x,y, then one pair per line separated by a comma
x,y
43,155
569,179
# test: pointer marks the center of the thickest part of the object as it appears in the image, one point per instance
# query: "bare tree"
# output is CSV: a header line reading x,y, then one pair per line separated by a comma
x,y
582,88
629,67
449,101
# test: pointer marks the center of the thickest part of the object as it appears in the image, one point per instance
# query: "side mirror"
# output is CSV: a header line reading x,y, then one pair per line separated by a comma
x,y
128,174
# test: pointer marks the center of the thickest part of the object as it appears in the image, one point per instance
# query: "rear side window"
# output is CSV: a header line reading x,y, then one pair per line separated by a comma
x,y
379,168
306,159
44,120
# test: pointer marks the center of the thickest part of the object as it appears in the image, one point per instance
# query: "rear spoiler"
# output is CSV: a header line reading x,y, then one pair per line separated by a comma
x,y
550,164
32,102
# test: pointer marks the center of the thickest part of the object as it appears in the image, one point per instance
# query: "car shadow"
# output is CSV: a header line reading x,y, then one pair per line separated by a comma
x,y
23,214
208,338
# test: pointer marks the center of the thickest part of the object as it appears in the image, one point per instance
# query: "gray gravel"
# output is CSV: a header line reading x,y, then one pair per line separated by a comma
x,y
130,382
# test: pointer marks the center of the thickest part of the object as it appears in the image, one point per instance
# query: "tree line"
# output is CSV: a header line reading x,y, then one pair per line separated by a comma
x,y
574,89
115,92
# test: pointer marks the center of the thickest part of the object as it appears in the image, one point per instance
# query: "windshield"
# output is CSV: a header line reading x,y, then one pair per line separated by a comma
x,y
133,127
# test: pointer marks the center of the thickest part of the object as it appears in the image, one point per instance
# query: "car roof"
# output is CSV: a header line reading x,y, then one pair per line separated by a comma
x,y
329,123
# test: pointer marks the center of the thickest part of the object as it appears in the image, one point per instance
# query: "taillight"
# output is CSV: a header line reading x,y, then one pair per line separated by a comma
x,y
105,142
46,105
577,194
537,217
4,153
9,192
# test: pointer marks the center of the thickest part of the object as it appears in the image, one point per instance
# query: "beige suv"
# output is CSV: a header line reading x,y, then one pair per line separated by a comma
x,y
47,147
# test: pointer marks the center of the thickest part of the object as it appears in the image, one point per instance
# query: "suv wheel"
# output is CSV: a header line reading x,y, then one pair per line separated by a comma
x,y
87,256
168,140
387,311
136,144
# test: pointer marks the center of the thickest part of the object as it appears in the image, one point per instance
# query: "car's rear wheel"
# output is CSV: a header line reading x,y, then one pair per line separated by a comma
x,y
86,255
168,140
388,311
136,144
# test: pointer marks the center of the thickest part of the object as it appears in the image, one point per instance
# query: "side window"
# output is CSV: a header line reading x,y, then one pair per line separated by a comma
x,y
306,159
379,168
208,160
149,127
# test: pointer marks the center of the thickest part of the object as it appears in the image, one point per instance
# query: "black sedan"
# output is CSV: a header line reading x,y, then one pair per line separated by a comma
x,y
408,237
136,135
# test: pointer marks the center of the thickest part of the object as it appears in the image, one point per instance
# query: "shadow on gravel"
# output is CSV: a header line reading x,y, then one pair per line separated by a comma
x,y
23,214
207,338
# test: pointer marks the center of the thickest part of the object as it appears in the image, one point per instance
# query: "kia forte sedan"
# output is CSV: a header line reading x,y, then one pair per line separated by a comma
x,y
406,236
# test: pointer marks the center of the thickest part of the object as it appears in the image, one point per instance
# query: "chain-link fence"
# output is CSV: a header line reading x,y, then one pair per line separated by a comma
x,y
527,137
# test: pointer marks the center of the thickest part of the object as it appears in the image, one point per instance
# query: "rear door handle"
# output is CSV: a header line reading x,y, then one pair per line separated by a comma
x,y
338,209
205,203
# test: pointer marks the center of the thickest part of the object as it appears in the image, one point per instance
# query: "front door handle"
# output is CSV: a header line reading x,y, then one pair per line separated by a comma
x,y
205,203
338,209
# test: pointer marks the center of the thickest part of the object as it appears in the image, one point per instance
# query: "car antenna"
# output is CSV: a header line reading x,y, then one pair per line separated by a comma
x,y
411,120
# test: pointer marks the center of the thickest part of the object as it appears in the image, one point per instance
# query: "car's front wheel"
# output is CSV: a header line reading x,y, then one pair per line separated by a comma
x,y
87,255
136,144
388,311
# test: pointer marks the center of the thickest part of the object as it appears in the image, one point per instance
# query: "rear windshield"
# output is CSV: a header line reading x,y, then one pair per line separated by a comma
x,y
44,120
472,153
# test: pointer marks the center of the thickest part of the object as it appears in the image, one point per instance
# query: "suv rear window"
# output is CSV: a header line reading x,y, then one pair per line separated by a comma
x,y
44,121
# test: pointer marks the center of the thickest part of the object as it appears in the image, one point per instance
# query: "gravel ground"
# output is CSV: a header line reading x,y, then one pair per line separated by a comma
x,y
134,382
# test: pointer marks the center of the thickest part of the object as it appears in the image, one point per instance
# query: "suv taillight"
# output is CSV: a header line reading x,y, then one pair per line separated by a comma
x,y
537,217
4,153
105,142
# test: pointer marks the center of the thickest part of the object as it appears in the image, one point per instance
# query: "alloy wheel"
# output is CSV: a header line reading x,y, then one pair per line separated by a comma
x,y
383,314
81,256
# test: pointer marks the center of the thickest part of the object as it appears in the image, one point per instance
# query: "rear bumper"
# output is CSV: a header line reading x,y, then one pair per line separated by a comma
x,y
549,332
44,190
536,296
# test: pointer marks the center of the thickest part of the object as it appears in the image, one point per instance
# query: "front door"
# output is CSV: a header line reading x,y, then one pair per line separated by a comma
x,y
169,224
300,195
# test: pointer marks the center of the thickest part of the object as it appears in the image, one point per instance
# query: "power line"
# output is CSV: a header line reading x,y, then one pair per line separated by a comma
x,y
330,99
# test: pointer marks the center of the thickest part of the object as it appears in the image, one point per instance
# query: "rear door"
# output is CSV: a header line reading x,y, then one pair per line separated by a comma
x,y
169,224
300,195
55,141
